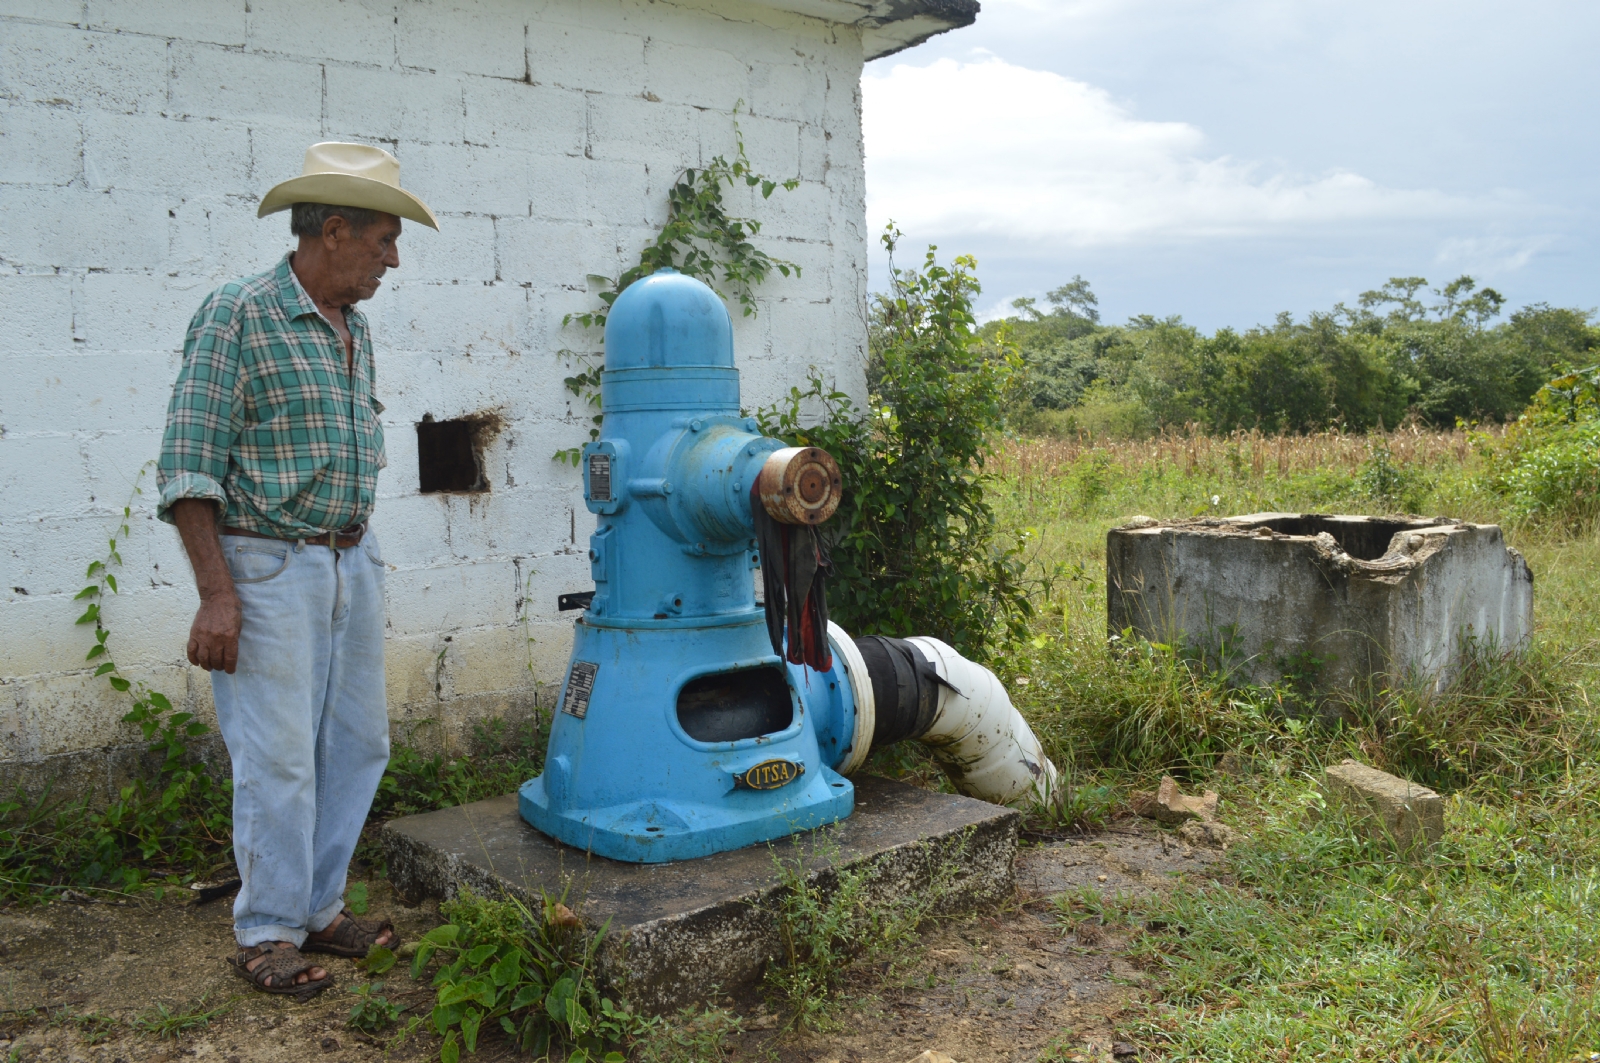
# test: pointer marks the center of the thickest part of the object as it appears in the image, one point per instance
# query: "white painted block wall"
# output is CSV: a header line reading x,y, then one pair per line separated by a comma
x,y
136,137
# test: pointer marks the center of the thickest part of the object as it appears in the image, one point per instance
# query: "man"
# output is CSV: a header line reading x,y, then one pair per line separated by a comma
x,y
268,468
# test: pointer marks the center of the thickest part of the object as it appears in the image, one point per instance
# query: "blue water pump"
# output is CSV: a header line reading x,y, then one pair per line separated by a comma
x,y
679,731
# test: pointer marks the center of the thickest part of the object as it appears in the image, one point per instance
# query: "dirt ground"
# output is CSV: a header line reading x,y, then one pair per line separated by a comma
x,y
1008,986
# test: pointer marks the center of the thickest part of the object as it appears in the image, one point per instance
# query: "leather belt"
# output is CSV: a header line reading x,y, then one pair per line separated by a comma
x,y
342,539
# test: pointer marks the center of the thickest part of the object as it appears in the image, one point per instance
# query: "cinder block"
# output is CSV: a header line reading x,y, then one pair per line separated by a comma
x,y
553,254
212,21
789,89
537,118
456,319
446,598
68,12
128,312
467,36
1408,815
623,193
413,529
37,310
147,153
699,76
463,250
94,71
210,82
110,392
585,57
467,179
417,106
43,144
354,31
631,129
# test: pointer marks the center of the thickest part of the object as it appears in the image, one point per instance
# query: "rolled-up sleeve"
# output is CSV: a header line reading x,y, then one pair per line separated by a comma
x,y
203,418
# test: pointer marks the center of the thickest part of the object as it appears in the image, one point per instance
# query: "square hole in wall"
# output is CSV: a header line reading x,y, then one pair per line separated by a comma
x,y
450,453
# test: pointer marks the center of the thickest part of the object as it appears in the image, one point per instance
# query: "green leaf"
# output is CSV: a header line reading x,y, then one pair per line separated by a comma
x,y
119,683
555,1002
442,935
111,581
356,898
379,960
159,700
445,1016
481,953
88,592
97,650
469,1028
95,568
104,668
419,961
90,615
450,1052
507,970
528,994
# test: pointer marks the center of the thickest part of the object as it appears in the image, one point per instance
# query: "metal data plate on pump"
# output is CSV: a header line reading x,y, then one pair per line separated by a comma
x,y
600,477
580,684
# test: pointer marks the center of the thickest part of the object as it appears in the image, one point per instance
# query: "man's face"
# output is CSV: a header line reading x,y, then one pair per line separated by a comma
x,y
358,261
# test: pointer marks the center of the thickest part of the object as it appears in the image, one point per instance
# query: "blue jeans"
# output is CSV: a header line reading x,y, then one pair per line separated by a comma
x,y
306,725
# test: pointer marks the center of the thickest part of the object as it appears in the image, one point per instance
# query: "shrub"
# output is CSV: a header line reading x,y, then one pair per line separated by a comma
x,y
1547,465
915,545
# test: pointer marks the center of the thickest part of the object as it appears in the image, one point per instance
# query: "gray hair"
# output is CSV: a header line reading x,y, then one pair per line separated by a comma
x,y
307,219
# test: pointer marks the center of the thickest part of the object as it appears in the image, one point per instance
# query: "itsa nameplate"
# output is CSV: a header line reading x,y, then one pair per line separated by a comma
x,y
580,684
768,775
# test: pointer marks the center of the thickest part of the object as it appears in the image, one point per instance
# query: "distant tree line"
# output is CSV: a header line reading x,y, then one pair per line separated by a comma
x,y
1438,355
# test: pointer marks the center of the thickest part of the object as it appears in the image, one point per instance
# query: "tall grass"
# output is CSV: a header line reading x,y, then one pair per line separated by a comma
x,y
1327,946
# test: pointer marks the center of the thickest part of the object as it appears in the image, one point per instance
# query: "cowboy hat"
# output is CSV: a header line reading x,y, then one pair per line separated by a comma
x,y
349,175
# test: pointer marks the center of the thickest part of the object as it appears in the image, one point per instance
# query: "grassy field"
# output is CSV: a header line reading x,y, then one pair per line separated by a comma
x,y
1324,946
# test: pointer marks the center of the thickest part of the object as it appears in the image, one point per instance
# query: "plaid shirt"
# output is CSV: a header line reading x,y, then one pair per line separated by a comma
x,y
265,420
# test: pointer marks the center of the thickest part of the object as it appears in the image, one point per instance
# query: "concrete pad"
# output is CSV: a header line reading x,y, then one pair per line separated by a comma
x,y
681,932
1410,815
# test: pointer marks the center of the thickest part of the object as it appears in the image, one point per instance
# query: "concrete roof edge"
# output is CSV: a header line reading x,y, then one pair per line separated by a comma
x,y
887,26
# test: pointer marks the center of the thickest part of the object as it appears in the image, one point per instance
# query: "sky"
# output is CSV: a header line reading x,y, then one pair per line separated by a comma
x,y
1227,160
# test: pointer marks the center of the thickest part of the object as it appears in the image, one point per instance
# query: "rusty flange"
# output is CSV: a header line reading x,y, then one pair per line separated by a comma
x,y
800,485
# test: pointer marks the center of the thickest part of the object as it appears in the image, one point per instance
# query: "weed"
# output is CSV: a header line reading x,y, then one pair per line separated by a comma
x,y
530,975
92,1026
831,921
167,1023
372,1012
691,1036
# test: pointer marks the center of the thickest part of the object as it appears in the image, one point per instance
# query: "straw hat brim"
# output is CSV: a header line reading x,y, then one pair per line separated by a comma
x,y
346,190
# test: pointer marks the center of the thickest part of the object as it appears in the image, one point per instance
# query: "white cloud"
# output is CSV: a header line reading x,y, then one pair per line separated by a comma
x,y
1490,255
989,148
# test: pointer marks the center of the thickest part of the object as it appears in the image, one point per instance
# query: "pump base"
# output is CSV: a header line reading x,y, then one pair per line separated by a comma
x,y
658,831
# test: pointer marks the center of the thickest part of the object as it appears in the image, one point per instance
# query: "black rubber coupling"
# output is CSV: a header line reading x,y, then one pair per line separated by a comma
x,y
905,688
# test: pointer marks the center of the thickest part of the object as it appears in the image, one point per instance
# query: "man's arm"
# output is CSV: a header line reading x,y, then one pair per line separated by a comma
x,y
214,636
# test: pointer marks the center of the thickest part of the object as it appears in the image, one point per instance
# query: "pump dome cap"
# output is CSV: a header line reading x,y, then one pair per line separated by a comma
x,y
668,319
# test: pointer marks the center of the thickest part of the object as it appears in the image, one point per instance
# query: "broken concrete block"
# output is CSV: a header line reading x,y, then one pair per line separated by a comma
x,y
1204,834
1410,815
1328,603
1167,805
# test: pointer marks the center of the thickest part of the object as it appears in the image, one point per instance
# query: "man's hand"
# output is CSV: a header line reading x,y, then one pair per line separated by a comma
x,y
214,636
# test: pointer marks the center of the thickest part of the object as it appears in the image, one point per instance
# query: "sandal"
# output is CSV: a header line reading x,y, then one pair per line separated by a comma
x,y
277,973
351,938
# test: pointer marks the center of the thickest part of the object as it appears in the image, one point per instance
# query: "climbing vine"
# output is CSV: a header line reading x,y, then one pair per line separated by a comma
x,y
700,239
169,827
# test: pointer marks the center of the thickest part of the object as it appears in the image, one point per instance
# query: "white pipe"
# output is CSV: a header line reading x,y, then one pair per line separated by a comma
x,y
984,744
855,669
